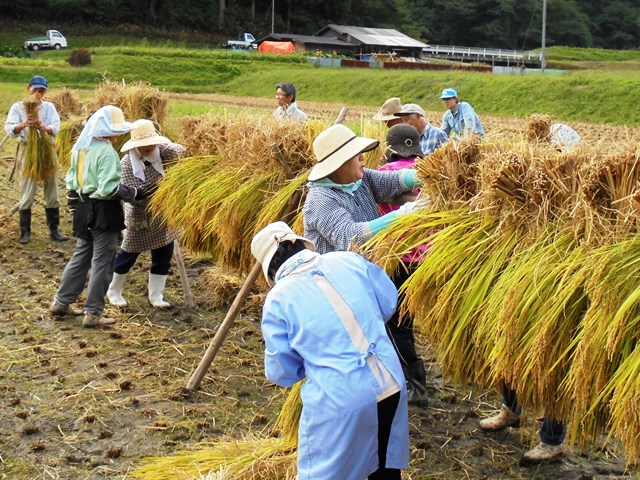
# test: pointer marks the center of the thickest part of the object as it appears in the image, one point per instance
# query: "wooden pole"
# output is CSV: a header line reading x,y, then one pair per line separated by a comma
x,y
186,289
341,116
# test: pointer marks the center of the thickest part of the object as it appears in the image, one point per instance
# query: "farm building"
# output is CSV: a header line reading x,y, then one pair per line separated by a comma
x,y
374,40
310,43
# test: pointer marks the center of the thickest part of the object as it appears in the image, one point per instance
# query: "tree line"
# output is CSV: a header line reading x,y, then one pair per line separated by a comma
x,y
513,24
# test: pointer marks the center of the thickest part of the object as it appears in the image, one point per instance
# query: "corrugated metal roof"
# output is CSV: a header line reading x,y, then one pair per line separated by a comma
x,y
307,39
387,37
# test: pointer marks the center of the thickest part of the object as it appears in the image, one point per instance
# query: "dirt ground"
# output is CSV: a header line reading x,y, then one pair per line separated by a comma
x,y
91,404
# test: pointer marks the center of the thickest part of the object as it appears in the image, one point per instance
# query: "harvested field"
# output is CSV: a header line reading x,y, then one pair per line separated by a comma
x,y
94,404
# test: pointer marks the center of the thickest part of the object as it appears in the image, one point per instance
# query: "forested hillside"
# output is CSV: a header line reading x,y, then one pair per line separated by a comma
x,y
514,24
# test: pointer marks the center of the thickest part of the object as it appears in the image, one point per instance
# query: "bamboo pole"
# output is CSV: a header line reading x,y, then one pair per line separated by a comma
x,y
186,289
234,310
225,326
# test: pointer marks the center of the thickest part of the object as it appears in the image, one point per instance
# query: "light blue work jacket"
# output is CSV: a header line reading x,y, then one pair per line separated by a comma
x,y
306,335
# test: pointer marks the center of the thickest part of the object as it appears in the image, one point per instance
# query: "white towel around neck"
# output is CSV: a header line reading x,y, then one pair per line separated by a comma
x,y
137,162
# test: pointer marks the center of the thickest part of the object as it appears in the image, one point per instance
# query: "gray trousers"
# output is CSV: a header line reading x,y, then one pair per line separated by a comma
x,y
97,254
28,186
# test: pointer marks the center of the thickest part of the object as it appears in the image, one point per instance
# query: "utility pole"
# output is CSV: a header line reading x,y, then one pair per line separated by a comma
x,y
543,56
273,10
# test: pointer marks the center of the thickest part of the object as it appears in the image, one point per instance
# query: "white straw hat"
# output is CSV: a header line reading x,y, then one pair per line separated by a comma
x,y
388,111
334,147
265,244
144,134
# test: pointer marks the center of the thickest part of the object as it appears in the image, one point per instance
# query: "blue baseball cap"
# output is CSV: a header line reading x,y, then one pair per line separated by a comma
x,y
448,93
38,82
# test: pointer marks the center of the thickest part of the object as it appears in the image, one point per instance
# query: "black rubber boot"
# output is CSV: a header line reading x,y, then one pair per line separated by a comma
x,y
53,221
25,226
416,378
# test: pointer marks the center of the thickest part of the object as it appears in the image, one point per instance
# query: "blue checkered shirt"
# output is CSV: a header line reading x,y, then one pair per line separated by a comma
x,y
431,139
333,218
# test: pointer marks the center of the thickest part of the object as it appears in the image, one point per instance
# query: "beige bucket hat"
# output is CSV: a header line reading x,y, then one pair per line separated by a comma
x,y
334,147
388,111
265,244
144,134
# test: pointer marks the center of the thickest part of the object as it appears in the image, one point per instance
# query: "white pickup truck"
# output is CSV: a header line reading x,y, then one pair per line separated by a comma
x,y
53,39
245,41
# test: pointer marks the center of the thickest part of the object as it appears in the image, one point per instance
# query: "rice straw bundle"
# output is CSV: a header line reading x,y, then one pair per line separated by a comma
x,y
66,103
537,128
67,135
222,287
533,280
221,204
240,143
40,157
609,184
137,100
450,173
605,343
270,457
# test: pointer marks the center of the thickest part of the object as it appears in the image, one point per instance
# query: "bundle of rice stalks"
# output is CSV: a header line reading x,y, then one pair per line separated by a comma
x,y
66,103
137,100
222,287
529,186
270,457
450,173
234,221
69,132
608,188
241,144
289,198
528,322
251,458
598,384
537,128
40,158
377,130
222,203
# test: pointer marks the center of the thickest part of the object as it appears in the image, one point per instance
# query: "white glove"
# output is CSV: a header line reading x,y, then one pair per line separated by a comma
x,y
423,201
407,207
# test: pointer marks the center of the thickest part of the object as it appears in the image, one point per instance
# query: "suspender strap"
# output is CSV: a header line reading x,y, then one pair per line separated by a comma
x,y
386,383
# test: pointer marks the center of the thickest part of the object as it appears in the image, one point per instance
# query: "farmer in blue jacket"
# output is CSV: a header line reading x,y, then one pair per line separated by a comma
x,y
324,321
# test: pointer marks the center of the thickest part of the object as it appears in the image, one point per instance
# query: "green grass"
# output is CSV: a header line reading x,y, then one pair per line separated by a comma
x,y
595,95
591,55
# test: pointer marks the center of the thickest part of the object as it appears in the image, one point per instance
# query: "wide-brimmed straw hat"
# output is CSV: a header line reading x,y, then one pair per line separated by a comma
x,y
388,111
265,244
404,141
144,134
334,147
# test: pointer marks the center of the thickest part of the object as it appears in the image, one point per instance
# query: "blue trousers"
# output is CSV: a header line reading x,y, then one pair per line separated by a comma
x,y
552,431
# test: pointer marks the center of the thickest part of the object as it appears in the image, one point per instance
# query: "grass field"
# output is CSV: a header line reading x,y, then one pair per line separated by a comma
x,y
595,94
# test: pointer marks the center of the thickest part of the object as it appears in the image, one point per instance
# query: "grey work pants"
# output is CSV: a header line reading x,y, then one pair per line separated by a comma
x,y
28,186
97,253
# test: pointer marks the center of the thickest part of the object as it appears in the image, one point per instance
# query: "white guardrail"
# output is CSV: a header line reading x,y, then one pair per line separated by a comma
x,y
480,52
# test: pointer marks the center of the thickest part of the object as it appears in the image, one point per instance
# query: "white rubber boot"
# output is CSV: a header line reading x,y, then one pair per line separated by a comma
x,y
156,287
114,294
